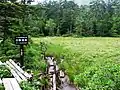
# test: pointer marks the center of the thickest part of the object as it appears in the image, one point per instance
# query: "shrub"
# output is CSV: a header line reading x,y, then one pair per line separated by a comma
x,y
27,86
2,87
4,72
33,59
106,77
8,50
91,63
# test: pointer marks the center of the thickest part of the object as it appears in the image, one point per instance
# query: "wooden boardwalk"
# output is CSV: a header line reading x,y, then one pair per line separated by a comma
x,y
11,84
65,83
17,72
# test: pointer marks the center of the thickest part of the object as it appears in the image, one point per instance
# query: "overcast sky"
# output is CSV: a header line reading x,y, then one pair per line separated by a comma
x,y
80,2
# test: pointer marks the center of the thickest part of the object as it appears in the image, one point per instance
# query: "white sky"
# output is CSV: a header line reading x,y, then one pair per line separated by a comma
x,y
80,2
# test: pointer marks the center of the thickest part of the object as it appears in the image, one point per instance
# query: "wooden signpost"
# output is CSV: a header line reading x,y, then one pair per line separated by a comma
x,y
21,40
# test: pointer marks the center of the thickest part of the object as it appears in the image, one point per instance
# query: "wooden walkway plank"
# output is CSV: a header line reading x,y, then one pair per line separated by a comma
x,y
7,84
19,73
54,82
16,66
19,69
9,64
22,76
1,63
15,84
0,81
11,84
14,74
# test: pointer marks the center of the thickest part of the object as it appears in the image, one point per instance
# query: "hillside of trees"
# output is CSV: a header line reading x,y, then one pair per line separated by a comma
x,y
54,18
101,18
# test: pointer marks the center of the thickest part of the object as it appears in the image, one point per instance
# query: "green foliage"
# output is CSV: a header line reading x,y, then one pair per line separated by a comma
x,y
50,26
4,72
10,13
99,18
65,18
90,68
28,86
8,50
105,77
33,59
36,84
2,87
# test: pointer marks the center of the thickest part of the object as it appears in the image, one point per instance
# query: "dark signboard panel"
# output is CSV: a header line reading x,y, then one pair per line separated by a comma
x,y
21,40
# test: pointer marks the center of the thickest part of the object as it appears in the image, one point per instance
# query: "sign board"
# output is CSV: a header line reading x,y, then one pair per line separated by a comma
x,y
21,40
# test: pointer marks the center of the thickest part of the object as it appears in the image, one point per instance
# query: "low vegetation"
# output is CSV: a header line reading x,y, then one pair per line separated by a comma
x,y
29,86
2,87
33,62
91,63
4,72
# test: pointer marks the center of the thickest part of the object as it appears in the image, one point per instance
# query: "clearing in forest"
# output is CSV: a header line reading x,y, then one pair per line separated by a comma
x,y
91,63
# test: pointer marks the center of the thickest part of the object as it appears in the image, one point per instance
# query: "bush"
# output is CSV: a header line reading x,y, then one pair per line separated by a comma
x,y
35,84
27,86
33,59
8,50
2,87
4,72
90,63
104,78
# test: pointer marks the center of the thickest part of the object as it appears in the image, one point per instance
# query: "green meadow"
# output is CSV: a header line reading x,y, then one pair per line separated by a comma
x,y
92,63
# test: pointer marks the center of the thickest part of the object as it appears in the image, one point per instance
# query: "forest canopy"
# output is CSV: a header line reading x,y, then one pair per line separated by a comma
x,y
95,60
63,18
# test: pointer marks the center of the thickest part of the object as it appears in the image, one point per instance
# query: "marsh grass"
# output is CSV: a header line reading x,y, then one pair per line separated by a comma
x,y
92,63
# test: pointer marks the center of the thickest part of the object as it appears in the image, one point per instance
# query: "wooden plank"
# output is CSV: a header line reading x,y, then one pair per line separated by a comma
x,y
62,74
0,81
21,76
1,63
9,64
11,84
19,73
54,82
19,69
7,84
15,84
16,66
27,75
18,78
51,70
14,73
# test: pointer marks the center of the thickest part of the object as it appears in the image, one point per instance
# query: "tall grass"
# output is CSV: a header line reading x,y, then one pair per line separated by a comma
x,y
92,63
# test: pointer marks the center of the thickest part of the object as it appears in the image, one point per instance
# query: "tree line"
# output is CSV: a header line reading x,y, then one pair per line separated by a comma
x,y
59,18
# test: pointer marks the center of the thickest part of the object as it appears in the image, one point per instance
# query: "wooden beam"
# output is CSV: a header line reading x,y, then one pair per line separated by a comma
x,y
15,84
0,81
16,70
19,69
11,84
14,73
7,84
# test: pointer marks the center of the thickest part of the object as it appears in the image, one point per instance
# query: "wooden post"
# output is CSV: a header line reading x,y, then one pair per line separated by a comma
x,y
21,55
54,81
54,77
